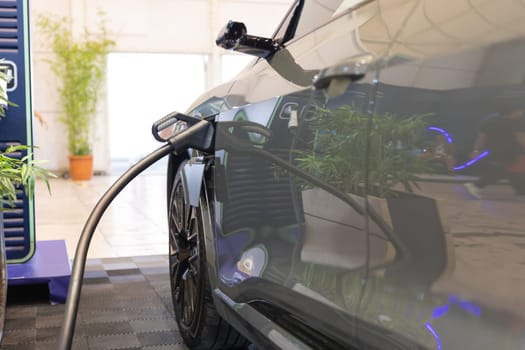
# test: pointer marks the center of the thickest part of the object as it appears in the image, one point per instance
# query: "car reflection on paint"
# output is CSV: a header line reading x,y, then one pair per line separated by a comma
x,y
333,212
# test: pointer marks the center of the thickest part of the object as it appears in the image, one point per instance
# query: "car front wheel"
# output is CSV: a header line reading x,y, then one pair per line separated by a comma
x,y
199,323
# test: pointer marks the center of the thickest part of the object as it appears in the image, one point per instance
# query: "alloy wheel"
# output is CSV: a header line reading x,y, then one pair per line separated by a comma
x,y
184,258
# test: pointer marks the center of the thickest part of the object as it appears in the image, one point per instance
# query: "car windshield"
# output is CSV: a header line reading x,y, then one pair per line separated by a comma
x,y
305,16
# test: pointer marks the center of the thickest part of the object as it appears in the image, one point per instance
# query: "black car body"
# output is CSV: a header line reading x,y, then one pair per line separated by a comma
x,y
403,98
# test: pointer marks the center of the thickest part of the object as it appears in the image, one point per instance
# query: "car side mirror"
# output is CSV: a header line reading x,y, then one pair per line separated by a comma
x,y
234,37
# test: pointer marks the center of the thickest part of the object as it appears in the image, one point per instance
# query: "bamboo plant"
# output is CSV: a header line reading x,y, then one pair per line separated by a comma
x,y
80,66
352,150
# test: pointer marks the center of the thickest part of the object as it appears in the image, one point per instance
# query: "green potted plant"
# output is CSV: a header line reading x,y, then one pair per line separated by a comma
x,y
80,66
345,141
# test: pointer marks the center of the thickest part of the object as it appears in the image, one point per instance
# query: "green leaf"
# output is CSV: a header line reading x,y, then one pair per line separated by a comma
x,y
19,172
80,65
347,141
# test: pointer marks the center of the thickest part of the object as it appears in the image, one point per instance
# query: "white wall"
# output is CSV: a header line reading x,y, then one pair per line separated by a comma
x,y
161,26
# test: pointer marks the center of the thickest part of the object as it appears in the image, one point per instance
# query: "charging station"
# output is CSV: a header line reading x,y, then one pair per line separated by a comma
x,y
16,127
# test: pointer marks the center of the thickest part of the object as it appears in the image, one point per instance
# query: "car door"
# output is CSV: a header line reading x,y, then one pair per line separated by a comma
x,y
291,243
452,72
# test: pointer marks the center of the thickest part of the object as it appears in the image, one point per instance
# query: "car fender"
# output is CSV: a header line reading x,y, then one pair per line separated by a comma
x,y
192,175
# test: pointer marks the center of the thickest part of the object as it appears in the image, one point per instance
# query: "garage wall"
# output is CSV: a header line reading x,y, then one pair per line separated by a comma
x,y
155,26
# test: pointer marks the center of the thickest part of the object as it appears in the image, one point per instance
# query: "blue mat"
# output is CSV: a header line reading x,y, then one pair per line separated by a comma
x,y
50,264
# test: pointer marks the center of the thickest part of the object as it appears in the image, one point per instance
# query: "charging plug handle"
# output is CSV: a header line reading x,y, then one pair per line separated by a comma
x,y
199,136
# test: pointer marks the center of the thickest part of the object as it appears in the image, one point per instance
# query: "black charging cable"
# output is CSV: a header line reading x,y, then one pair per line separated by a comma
x,y
199,136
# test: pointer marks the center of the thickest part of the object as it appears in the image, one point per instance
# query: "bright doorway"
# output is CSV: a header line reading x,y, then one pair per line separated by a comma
x,y
143,87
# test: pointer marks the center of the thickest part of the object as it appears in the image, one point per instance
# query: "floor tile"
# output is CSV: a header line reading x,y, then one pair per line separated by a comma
x,y
134,224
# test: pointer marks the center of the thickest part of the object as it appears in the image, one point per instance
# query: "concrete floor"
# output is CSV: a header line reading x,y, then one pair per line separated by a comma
x,y
134,224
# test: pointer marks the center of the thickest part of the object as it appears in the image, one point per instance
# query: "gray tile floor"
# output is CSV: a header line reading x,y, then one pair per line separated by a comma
x,y
127,262
134,224
125,304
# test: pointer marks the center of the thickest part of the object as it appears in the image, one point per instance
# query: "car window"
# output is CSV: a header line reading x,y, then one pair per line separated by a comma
x,y
212,106
315,13
414,29
280,34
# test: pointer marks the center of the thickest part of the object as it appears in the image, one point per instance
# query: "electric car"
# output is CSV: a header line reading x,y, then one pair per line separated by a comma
x,y
365,184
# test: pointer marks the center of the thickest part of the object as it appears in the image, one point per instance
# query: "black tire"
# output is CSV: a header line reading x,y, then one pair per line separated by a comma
x,y
199,323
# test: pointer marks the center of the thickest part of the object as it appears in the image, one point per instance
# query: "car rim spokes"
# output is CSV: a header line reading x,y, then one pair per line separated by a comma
x,y
184,257
178,209
190,275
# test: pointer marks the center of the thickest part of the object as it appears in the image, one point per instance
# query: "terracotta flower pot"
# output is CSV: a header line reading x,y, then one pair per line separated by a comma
x,y
81,167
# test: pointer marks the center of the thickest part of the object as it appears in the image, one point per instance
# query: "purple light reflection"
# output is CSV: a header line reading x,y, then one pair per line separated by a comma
x,y
449,140
442,132
472,161
435,334
465,305
440,311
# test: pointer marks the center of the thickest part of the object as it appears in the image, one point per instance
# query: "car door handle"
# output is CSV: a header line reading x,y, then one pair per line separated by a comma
x,y
354,70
